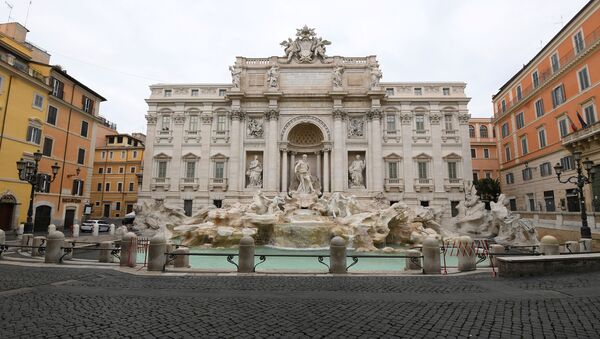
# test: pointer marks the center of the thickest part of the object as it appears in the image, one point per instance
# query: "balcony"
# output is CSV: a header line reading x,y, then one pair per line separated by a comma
x,y
192,136
392,136
394,185
423,183
453,184
450,135
583,138
220,135
188,183
218,184
421,135
162,183
164,135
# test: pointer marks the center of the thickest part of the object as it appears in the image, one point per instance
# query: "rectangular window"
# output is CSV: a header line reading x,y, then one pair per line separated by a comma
x,y
52,114
117,206
531,201
34,134
77,187
123,154
573,203
475,176
194,92
84,129
549,201
418,91
554,62
584,79
520,117
507,152
187,207
578,42
47,150
132,169
452,174
486,153
535,78
107,187
567,163
563,127
420,122
110,155
38,101
545,169
81,156
393,170
422,166
542,137
389,91
220,123
87,104
100,170
131,187
539,107
590,114
524,146
103,154
219,170
162,169
57,88
167,92
193,123
471,131
99,187
119,187
108,170
473,153
510,178
391,123
134,154
558,96
165,122
222,92
448,122
488,174
513,204
503,105
121,170
519,93
505,130
190,169
446,90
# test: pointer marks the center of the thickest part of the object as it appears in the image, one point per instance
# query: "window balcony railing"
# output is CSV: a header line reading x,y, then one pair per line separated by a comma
x,y
160,182
423,183
453,183
394,184
188,182
218,184
583,136
220,135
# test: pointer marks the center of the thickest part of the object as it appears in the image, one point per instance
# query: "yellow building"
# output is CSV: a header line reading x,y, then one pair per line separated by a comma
x,y
115,179
24,88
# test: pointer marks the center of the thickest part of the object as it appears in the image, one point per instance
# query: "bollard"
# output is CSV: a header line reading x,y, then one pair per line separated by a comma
x,y
337,256
95,229
121,231
549,245
2,237
184,260
246,255
51,228
105,249
20,231
431,256
111,230
68,255
495,249
170,248
76,231
128,250
37,242
156,252
413,262
571,247
466,254
26,240
585,245
54,242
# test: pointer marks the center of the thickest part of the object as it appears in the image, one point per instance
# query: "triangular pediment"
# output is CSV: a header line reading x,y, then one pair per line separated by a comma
x,y
162,155
219,156
392,156
452,156
190,156
422,156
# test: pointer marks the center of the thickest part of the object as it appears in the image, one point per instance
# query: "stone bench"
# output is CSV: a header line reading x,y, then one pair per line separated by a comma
x,y
520,266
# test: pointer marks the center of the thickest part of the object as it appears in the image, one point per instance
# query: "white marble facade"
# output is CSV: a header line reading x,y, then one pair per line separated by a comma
x,y
202,138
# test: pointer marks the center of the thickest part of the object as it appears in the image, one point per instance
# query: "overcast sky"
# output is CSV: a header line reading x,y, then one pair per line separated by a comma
x,y
118,48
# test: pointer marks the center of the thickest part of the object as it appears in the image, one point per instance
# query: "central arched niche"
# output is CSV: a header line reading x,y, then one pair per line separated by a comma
x,y
305,138
305,134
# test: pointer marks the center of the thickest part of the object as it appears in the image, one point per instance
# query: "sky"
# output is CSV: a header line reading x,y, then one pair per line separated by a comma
x,y
120,47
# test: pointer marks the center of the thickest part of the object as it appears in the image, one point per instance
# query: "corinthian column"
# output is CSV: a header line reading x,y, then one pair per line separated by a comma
x,y
376,151
339,172
272,155
234,159
325,170
284,170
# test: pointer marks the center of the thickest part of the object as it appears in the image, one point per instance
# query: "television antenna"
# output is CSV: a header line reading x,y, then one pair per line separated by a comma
x,y
10,6
27,16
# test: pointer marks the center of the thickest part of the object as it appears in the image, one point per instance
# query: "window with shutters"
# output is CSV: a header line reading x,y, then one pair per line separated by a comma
x,y
535,79
578,42
422,169
99,187
81,156
554,62
131,187
77,187
38,101
52,115
558,95
84,129
520,119
584,79
589,114
87,104
563,127
57,88
483,131
539,107
510,178
47,150
119,187
542,137
34,134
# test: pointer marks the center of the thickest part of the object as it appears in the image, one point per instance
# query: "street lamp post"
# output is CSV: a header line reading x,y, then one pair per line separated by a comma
x,y
28,171
580,180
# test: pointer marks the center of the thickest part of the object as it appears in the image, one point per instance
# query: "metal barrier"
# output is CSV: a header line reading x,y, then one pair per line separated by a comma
x,y
114,251
41,249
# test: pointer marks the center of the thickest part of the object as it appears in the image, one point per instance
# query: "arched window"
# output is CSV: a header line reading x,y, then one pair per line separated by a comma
x,y
483,131
471,131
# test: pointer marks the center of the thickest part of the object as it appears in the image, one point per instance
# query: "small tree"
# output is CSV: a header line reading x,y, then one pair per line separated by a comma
x,y
488,189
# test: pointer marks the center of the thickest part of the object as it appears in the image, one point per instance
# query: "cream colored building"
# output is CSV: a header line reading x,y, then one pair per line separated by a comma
x,y
201,138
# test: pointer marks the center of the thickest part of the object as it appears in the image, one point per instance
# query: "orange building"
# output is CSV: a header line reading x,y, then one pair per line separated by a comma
x,y
484,152
117,164
538,108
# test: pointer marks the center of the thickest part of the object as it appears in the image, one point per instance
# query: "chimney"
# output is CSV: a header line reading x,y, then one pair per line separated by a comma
x,y
15,31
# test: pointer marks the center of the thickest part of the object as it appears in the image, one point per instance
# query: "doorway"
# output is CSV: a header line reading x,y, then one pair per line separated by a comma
x,y
69,218
42,218
106,211
7,210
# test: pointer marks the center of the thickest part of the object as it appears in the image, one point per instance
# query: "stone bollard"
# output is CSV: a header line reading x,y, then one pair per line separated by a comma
x,y
183,260
246,255
467,255
95,229
26,240
51,228
105,249
495,249
121,231
128,250
585,245
337,256
20,231
2,237
71,245
75,231
54,242
571,247
549,245
413,262
431,256
37,242
111,229
156,252
170,248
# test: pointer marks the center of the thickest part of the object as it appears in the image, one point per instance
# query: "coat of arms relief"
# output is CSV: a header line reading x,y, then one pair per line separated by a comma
x,y
307,47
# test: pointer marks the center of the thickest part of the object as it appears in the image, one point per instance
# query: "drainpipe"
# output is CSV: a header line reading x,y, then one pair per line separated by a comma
x,y
64,159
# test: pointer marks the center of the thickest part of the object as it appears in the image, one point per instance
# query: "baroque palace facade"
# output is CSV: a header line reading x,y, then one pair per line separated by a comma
x,y
220,143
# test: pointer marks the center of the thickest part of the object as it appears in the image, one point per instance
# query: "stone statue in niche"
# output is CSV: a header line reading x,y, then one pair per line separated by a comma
x,y
302,171
337,76
376,75
235,76
355,170
254,173
356,127
255,128
273,77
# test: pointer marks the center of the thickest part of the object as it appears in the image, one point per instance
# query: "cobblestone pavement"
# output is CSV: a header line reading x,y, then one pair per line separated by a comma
x,y
82,303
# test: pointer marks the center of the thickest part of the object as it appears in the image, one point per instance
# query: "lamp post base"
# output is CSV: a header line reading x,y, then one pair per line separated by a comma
x,y
28,228
586,232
